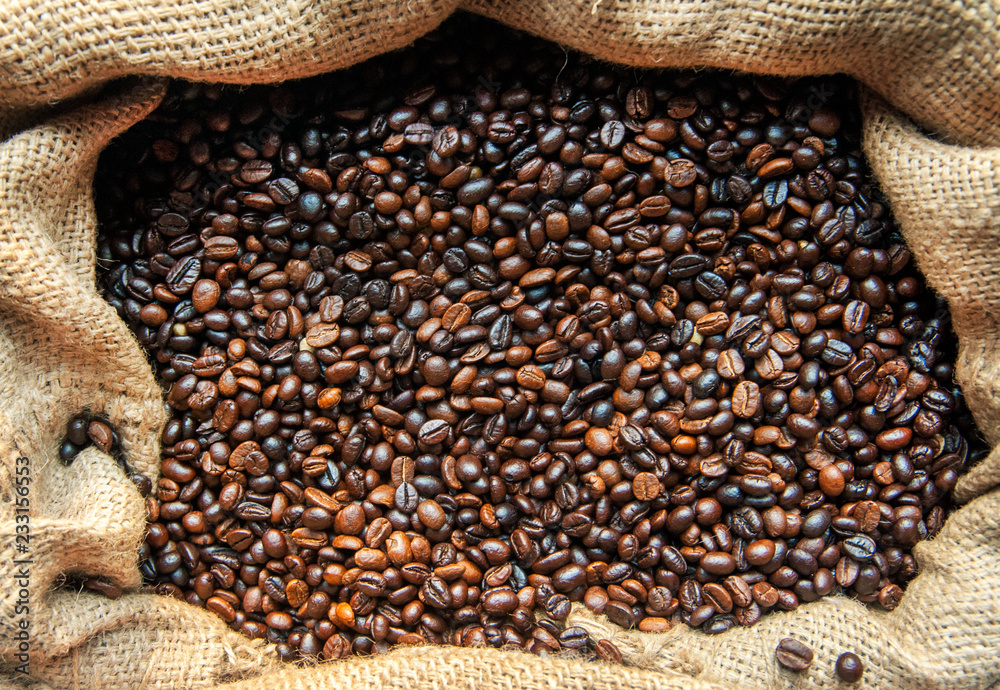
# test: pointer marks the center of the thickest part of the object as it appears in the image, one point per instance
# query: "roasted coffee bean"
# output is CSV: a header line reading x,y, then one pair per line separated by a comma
x,y
606,650
620,614
645,486
108,589
337,646
746,399
860,547
793,655
446,358
499,601
574,637
100,435
849,667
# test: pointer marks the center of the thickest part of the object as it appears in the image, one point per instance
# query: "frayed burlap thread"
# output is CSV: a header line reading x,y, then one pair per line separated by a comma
x,y
63,350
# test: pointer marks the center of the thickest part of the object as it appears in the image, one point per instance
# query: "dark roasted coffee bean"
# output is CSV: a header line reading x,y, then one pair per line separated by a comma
x,y
793,655
574,637
607,651
860,547
619,614
849,667
108,589
100,435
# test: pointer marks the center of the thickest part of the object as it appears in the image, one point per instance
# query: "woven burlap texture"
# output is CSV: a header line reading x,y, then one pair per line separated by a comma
x,y
63,350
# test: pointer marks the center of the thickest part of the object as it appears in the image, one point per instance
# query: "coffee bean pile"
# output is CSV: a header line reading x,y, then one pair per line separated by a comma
x,y
476,330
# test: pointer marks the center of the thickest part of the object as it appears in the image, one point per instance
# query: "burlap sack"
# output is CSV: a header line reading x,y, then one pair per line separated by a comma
x,y
63,350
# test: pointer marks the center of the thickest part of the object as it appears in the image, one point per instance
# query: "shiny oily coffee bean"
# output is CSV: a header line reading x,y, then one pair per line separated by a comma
x,y
849,667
